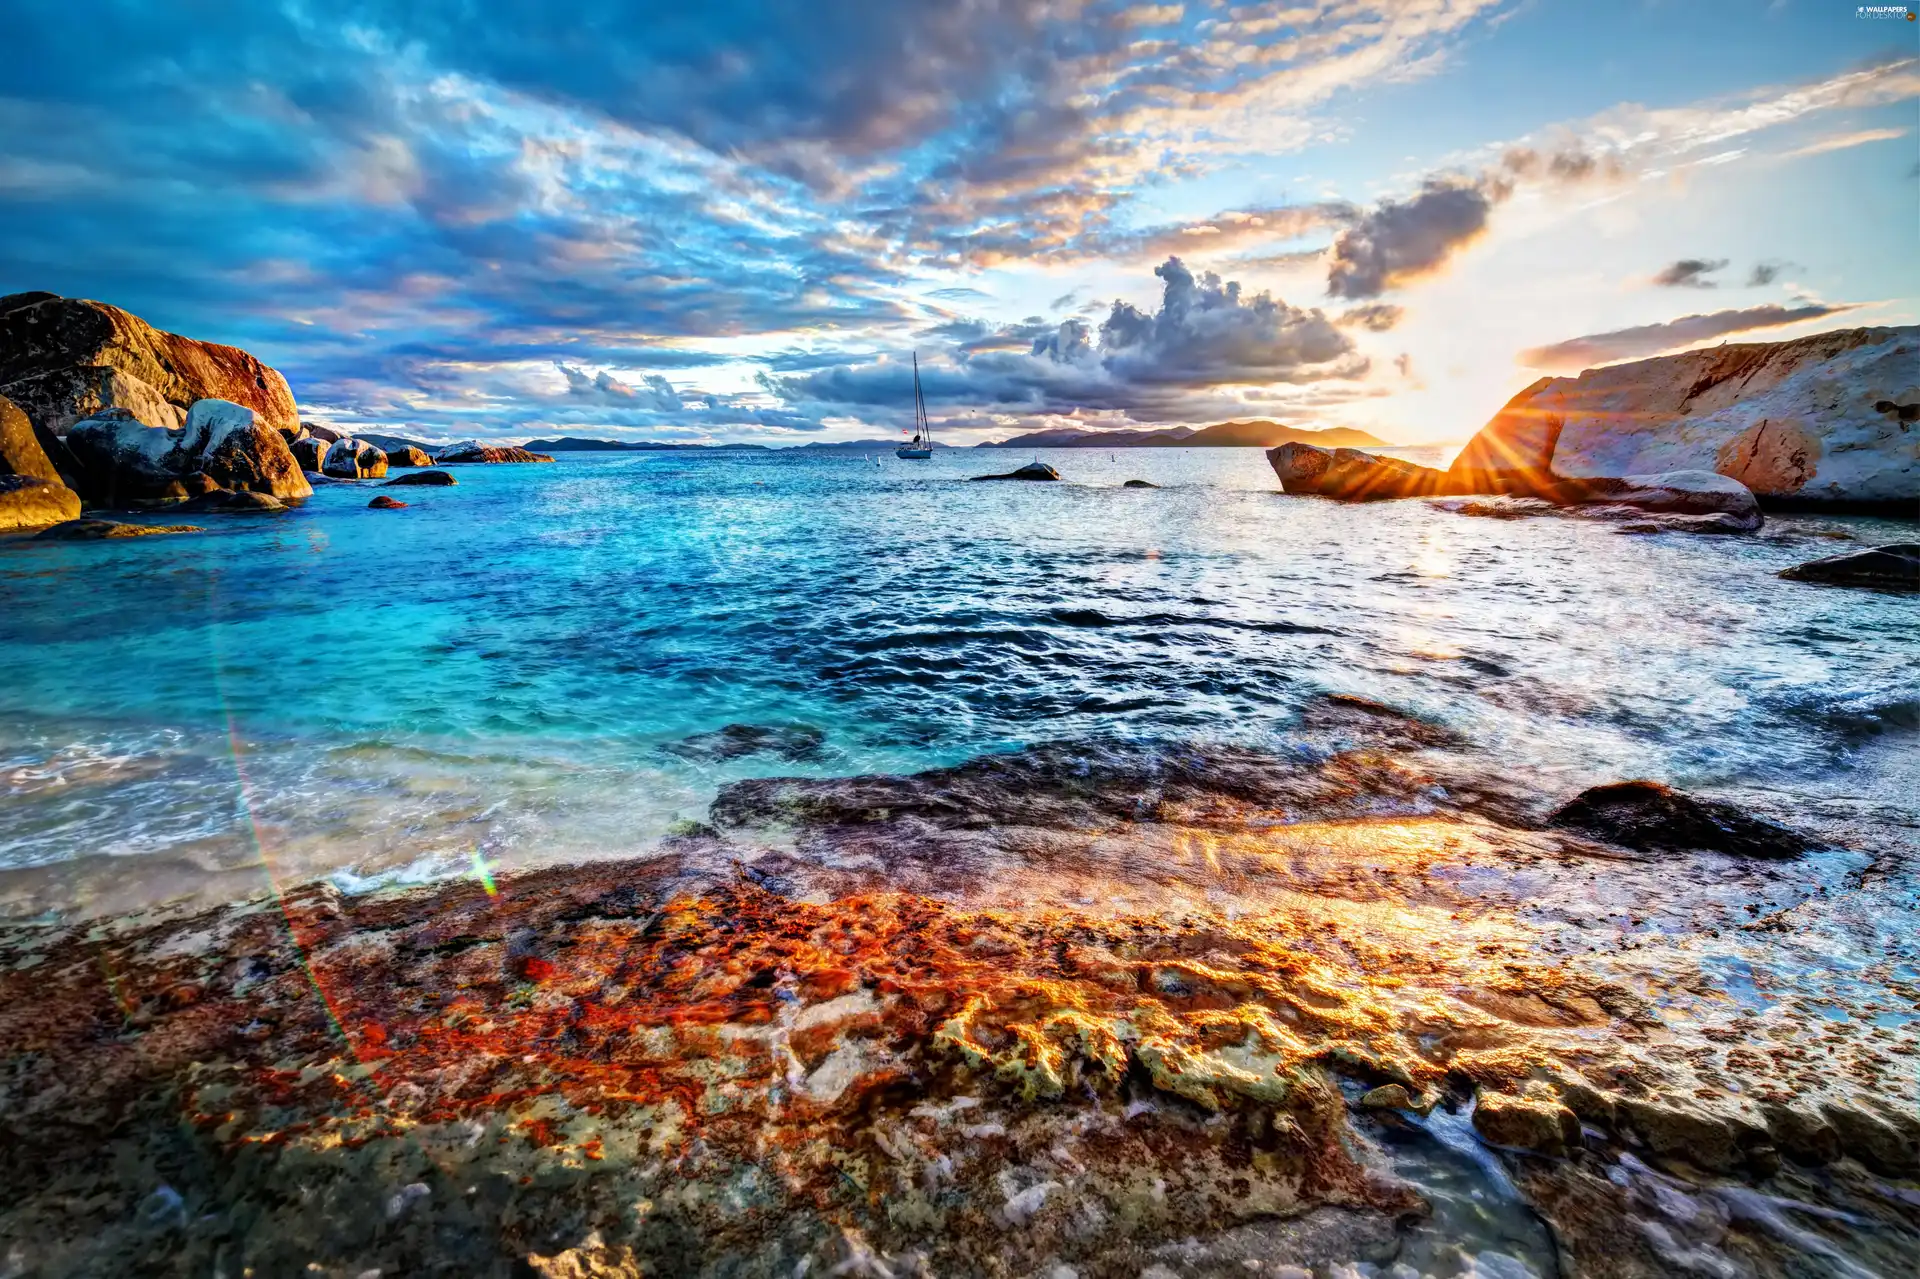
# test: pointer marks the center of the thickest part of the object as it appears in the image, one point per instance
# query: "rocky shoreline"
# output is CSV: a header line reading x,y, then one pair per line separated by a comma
x,y
1093,1008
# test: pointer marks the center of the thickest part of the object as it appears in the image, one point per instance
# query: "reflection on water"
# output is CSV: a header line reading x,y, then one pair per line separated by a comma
x,y
508,665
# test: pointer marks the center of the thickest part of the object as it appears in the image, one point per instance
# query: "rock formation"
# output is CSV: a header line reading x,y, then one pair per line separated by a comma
x,y
64,360
1830,418
27,502
1031,471
408,455
20,449
351,459
427,478
310,451
123,460
109,530
471,451
1894,567
1352,475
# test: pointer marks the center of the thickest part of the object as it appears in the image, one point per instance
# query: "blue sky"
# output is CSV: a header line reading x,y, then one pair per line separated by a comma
x,y
735,221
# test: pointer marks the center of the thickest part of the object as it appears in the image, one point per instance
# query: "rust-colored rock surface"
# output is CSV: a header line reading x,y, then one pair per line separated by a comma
x,y
64,359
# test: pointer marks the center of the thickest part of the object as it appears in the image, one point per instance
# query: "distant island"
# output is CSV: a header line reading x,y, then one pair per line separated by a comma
x,y
574,444
863,446
1252,434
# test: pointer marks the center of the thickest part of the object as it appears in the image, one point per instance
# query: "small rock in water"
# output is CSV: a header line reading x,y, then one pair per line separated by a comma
x,y
1139,484
1895,567
1648,816
793,742
1031,471
1393,1097
1525,1123
385,503
231,502
435,478
100,530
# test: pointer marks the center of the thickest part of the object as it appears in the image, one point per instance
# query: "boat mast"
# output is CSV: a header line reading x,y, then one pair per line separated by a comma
x,y
922,433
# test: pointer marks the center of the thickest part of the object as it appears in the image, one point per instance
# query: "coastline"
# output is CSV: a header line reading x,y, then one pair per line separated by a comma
x,y
1052,1007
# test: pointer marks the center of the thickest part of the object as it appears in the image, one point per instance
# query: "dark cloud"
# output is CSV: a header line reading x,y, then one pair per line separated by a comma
x,y
1651,339
1180,362
1374,317
1399,241
1690,273
1765,273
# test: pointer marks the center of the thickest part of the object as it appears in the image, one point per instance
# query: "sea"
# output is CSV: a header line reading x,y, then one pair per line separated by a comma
x,y
559,662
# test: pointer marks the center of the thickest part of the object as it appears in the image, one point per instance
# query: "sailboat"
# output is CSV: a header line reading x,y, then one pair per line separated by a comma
x,y
920,448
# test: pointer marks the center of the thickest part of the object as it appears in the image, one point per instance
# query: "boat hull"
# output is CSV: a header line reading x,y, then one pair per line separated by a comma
x,y
913,454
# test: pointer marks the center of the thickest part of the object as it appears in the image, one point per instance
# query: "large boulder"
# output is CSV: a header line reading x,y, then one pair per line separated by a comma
x,y
310,451
125,461
1352,475
20,450
470,451
64,360
408,455
351,459
1832,418
27,502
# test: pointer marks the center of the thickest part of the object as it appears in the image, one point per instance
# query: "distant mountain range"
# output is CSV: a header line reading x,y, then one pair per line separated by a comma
x,y
573,444
863,446
1253,434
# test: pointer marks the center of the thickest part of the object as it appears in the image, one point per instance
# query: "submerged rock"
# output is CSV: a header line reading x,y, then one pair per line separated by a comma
x,y
1139,484
1031,471
796,743
472,451
230,502
1681,501
102,530
27,502
1649,816
1892,567
1821,419
429,478
385,503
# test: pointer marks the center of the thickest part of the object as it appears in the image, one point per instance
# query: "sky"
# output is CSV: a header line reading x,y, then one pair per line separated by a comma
x,y
738,221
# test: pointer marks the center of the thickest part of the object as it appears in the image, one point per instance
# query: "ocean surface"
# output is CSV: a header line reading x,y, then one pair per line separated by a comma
x,y
558,662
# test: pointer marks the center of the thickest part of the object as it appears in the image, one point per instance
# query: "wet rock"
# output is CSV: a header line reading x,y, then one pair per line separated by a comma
x,y
230,502
124,460
1031,471
1139,484
408,455
101,530
385,503
64,360
1892,567
1649,816
1526,1123
468,452
350,459
1393,1097
26,502
1683,502
429,478
310,451
1888,1143
1353,476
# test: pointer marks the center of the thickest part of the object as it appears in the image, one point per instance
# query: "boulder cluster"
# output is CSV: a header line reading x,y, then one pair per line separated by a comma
x,y
99,409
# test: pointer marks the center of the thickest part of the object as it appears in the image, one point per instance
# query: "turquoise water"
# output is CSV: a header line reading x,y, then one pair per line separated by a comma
x,y
514,666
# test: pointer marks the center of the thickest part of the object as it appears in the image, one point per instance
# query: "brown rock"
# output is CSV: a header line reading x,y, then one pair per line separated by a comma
x,y
1393,1097
1353,476
351,459
103,530
407,455
428,478
310,452
1526,1123
474,451
26,502
20,451
125,461
1648,816
385,503
63,359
